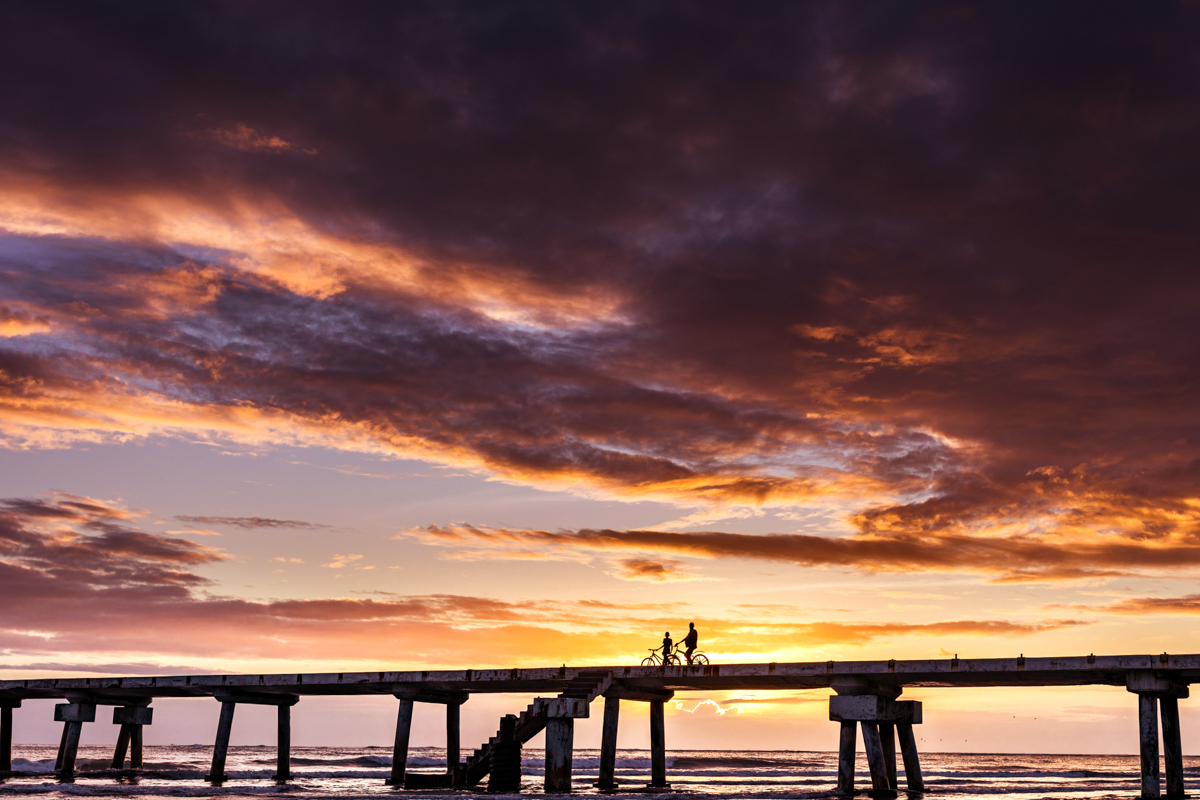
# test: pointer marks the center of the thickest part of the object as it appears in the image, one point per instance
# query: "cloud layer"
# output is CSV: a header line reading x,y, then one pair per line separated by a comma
x,y
76,578
935,264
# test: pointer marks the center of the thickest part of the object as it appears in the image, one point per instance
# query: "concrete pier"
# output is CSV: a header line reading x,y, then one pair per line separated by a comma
x,y
865,700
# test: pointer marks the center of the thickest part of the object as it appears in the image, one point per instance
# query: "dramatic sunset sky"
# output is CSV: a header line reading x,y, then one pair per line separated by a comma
x,y
348,336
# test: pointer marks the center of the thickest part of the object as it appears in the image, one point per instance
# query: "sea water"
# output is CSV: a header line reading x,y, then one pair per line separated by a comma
x,y
348,772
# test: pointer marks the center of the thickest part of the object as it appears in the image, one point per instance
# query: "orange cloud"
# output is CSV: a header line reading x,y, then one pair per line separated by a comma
x,y
1003,558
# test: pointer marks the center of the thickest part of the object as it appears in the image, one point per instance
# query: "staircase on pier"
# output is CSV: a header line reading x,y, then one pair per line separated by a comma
x,y
574,701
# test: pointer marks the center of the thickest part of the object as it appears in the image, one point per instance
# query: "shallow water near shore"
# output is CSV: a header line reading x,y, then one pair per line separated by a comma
x,y
348,772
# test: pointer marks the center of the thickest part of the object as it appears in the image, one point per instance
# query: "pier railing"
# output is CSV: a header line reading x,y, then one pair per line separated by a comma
x,y
865,698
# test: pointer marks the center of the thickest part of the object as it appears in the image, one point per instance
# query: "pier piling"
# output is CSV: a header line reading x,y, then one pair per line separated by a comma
x,y
400,747
876,763
453,744
1148,729
847,751
131,719
1168,708
887,739
658,746
72,715
912,762
1155,690
608,743
216,773
6,709
283,748
881,718
560,742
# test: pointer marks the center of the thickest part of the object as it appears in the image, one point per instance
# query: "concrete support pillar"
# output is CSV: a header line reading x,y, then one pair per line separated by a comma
x,y
70,748
912,762
6,709
283,745
119,751
73,715
608,744
560,743
1172,746
131,719
135,747
505,774
62,746
658,746
400,748
453,743
1148,735
846,755
887,739
221,747
875,761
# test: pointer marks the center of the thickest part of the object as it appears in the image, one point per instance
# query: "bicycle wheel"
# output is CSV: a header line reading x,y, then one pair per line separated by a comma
x,y
676,660
649,661
699,658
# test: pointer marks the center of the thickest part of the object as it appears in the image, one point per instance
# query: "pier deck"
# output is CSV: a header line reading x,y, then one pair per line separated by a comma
x,y
865,697
1069,671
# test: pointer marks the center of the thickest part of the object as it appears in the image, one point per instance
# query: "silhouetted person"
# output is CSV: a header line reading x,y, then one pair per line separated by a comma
x,y
690,641
667,647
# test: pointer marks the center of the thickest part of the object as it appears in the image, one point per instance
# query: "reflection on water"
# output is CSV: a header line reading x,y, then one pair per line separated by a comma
x,y
343,772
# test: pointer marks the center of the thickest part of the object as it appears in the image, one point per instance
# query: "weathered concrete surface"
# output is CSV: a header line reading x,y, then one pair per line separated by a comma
x,y
869,708
1069,671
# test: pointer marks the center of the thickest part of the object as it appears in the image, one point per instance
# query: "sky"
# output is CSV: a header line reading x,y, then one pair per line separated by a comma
x,y
459,335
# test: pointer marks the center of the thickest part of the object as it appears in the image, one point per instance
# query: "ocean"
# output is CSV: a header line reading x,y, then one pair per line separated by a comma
x,y
337,772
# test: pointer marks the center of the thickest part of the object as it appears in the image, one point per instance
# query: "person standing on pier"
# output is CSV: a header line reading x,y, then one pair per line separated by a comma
x,y
667,647
690,641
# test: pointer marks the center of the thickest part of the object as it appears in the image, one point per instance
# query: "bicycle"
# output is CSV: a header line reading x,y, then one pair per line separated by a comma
x,y
655,659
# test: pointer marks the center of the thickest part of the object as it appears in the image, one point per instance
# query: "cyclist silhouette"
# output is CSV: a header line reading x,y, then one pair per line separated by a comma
x,y
690,641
